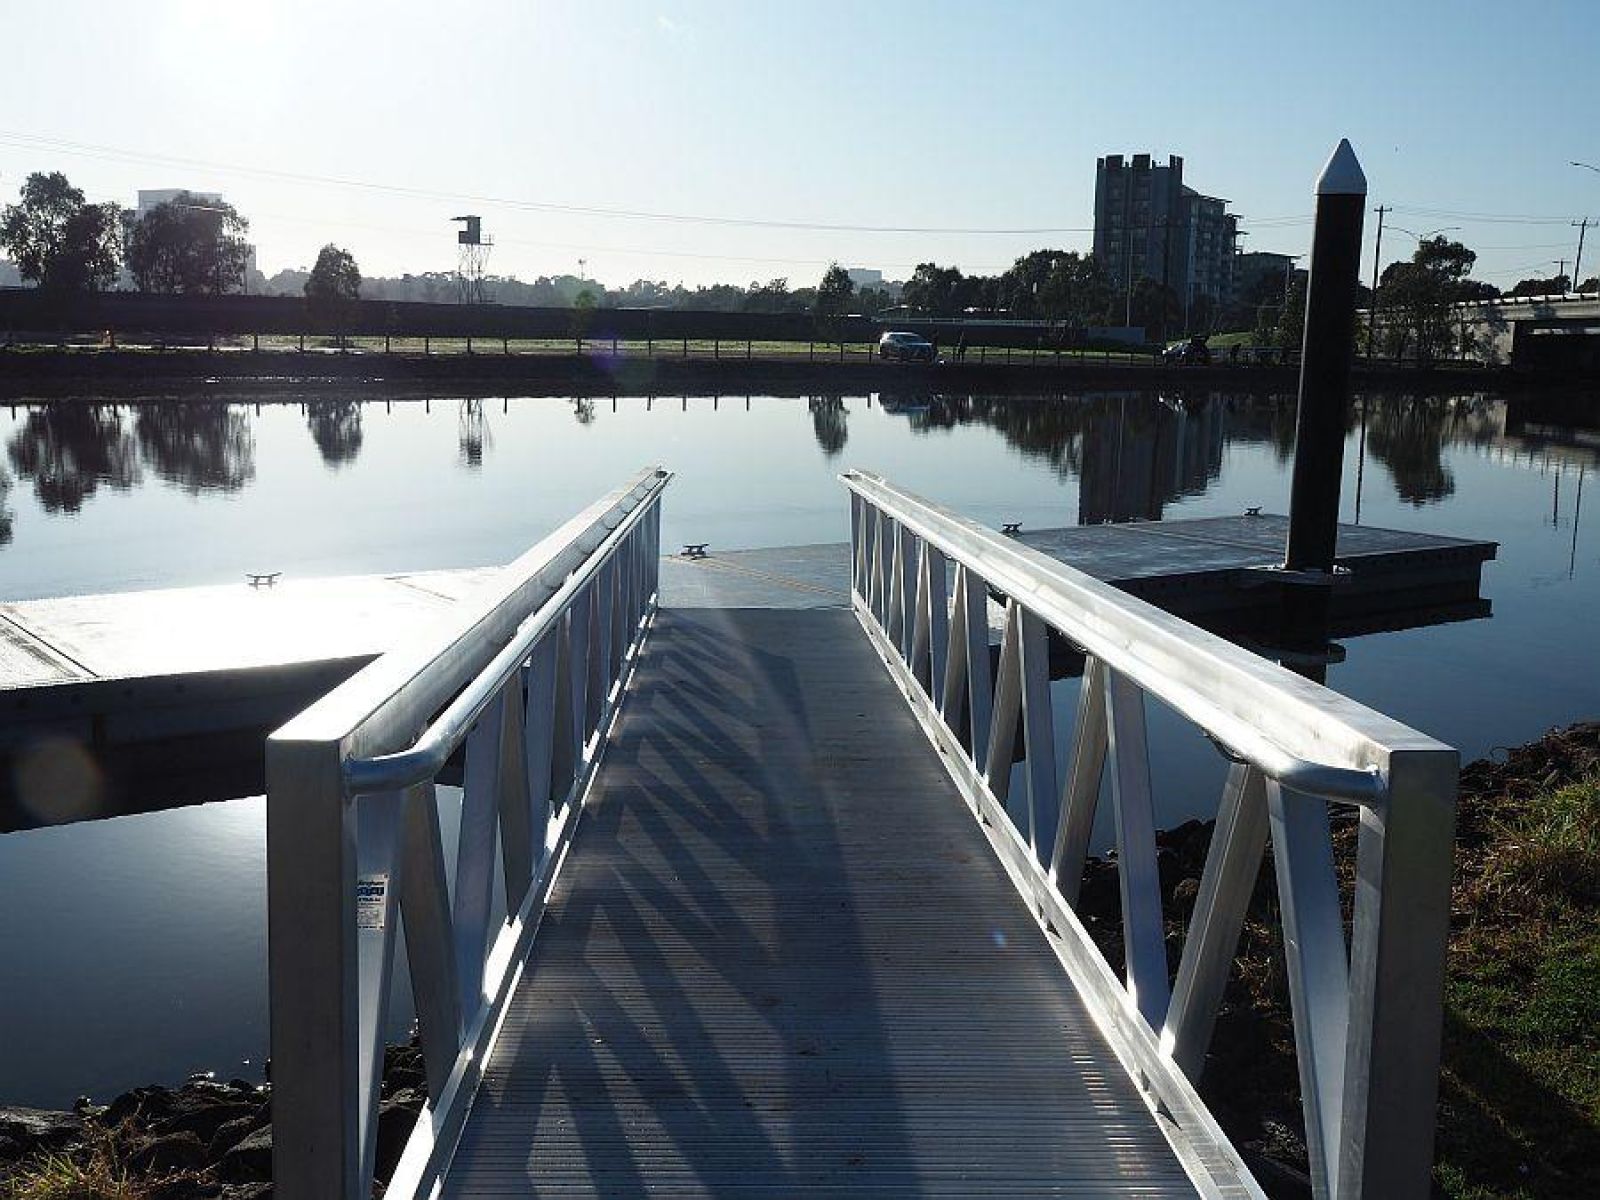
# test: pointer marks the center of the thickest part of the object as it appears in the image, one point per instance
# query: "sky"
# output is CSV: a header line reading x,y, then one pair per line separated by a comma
x,y
733,142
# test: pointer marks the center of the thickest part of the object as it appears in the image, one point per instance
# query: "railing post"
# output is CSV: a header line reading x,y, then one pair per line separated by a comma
x,y
1226,884
430,949
475,855
905,555
312,959
377,898
1144,938
1397,964
1080,793
1318,969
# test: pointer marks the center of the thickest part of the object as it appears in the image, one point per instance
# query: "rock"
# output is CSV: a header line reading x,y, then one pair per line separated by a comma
x,y
183,1187
166,1155
38,1128
231,1133
205,1119
396,1118
145,1103
250,1160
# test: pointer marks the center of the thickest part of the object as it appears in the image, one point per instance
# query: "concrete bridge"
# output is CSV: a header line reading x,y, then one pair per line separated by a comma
x,y
1496,325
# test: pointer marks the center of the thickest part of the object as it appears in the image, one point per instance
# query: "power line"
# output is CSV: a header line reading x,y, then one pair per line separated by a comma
x,y
31,142
1485,218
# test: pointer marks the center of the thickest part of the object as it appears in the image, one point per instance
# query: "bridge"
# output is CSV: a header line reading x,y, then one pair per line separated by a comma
x,y
783,900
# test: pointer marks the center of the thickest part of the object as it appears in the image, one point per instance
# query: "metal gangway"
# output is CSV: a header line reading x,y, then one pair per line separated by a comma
x,y
743,904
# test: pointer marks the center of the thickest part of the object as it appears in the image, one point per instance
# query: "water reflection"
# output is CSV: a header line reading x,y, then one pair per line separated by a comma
x,y
336,428
1133,454
68,450
829,424
1409,439
473,434
5,512
200,447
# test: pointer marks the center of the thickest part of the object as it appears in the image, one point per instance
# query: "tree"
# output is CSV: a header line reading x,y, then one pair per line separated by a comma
x,y
1155,306
833,297
583,306
934,289
1290,333
189,245
771,297
60,242
1416,297
334,288
1556,285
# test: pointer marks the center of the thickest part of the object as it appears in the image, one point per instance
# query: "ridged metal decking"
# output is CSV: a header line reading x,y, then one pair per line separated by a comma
x,y
771,969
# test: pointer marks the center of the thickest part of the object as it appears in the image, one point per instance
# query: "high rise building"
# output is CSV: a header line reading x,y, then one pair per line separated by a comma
x,y
1149,225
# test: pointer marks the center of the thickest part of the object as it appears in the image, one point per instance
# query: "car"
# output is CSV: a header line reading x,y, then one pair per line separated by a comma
x,y
905,347
1192,353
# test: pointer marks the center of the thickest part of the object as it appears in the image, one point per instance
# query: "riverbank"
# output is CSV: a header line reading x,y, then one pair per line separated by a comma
x,y
1519,1112
1519,1102
202,1141
732,370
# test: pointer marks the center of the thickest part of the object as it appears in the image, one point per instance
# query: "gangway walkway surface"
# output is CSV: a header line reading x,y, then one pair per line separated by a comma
x,y
784,900
781,959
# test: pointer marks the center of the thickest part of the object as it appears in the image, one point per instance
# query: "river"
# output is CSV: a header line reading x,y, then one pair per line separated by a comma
x,y
133,950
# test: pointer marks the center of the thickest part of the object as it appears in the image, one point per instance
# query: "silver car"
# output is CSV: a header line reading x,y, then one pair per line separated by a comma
x,y
905,347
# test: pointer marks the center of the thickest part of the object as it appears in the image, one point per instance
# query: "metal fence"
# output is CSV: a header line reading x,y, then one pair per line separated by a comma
x,y
1367,1014
524,686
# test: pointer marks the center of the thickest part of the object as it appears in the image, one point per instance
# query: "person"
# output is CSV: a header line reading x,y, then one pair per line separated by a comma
x,y
961,347
934,342
1233,354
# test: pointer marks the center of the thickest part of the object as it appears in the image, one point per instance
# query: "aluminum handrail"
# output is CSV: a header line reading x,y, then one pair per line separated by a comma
x,y
1365,980
425,757
526,677
1223,688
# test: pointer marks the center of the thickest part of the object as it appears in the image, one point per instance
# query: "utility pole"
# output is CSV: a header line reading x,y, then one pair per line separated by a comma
x,y
1372,300
1561,268
1577,263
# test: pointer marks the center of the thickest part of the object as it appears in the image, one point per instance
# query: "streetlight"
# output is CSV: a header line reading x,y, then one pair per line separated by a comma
x,y
1422,237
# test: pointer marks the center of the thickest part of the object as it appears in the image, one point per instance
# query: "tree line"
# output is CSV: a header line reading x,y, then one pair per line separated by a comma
x,y
62,243
196,246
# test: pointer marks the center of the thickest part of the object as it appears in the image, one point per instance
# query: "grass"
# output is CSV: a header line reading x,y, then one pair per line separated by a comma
x,y
664,348
1519,1093
95,1171
1520,1089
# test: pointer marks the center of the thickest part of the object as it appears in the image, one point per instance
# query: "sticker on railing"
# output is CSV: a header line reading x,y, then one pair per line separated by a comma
x,y
371,892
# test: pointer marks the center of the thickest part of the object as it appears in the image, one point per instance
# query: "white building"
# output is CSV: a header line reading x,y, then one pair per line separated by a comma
x,y
150,198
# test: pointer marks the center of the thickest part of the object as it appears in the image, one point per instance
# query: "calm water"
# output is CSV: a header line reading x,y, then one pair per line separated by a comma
x,y
133,950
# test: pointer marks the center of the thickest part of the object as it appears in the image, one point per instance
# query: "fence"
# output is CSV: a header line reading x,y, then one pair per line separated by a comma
x,y
1366,1016
525,686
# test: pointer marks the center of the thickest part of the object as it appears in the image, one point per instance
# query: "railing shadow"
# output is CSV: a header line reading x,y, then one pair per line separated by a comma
x,y
681,966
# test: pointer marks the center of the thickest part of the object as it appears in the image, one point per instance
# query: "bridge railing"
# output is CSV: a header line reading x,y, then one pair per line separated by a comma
x,y
1366,1013
522,688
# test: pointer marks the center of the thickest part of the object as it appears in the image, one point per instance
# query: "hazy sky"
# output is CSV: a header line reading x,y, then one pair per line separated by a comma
x,y
957,117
